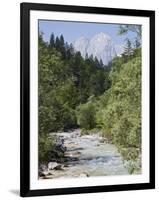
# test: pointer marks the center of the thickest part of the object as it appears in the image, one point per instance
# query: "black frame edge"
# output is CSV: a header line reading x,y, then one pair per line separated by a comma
x,y
86,9
89,189
24,102
152,99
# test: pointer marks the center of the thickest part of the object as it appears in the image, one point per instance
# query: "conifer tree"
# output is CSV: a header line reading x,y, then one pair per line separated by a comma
x,y
128,48
52,40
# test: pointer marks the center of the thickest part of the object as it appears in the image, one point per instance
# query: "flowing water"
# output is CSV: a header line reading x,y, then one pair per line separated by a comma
x,y
88,156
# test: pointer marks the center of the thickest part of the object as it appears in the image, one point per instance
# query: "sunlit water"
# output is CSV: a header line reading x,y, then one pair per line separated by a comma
x,y
89,156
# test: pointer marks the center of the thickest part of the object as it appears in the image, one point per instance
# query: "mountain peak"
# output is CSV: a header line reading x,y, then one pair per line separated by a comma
x,y
100,46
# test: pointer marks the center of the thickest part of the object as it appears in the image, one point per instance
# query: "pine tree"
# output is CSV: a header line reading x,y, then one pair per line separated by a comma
x,y
86,56
128,49
61,41
57,43
52,40
62,47
101,63
137,43
124,29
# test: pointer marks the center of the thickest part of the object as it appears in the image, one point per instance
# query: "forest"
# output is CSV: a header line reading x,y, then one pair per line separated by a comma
x,y
76,92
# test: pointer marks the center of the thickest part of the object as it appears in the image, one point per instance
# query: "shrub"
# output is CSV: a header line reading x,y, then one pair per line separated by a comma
x,y
86,116
119,110
45,145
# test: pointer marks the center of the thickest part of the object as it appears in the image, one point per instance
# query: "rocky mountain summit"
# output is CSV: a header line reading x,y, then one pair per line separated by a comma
x,y
101,46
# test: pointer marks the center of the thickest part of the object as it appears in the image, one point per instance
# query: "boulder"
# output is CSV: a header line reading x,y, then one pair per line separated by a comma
x,y
43,173
72,154
84,175
52,165
59,167
43,167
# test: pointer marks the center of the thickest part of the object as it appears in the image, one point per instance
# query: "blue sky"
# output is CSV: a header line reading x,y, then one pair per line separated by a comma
x,y
73,30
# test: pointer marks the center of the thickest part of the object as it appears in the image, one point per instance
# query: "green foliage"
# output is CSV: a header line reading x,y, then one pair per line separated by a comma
x,y
86,115
128,51
123,29
45,145
119,111
136,29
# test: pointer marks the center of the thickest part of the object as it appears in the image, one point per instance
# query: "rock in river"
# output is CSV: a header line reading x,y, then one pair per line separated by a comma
x,y
84,175
74,154
54,165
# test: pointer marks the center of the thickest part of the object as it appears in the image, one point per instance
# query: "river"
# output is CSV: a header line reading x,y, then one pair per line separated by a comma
x,y
88,156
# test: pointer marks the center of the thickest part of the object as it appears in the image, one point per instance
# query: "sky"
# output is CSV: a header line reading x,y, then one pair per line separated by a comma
x,y
73,30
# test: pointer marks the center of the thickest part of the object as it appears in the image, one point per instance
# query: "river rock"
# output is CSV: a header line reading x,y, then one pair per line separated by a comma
x,y
66,165
43,173
71,145
43,167
59,167
71,154
52,165
50,174
84,175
